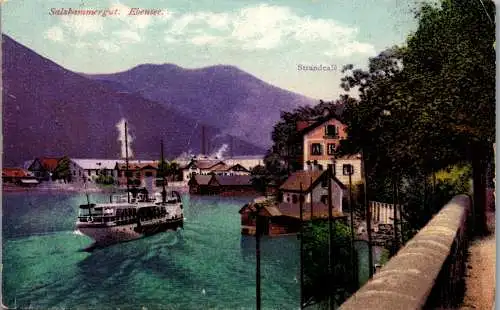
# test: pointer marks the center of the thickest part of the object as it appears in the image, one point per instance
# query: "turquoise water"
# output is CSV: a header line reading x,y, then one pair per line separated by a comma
x,y
208,265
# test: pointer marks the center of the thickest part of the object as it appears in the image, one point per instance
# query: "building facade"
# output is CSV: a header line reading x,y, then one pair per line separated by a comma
x,y
44,167
320,141
313,184
89,169
208,167
18,176
138,172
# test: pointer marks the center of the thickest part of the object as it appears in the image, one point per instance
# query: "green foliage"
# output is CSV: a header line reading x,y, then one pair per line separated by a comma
x,y
384,257
105,179
424,196
168,169
316,249
63,171
163,169
426,105
260,178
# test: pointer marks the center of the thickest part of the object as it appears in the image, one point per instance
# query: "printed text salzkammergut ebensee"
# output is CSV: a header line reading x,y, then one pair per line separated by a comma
x,y
106,12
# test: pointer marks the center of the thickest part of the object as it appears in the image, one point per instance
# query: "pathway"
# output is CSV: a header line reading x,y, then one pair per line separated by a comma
x,y
480,273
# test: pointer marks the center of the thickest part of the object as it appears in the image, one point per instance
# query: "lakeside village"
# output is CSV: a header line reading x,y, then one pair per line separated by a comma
x,y
279,204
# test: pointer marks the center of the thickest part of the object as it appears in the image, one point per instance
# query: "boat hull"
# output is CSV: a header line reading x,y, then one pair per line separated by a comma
x,y
105,235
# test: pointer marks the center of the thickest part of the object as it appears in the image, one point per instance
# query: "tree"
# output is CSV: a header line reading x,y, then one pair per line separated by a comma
x,y
163,169
317,287
452,60
63,171
429,104
173,170
260,178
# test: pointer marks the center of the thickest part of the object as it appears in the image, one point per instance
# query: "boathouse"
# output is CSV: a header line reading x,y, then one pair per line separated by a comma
x,y
198,185
18,176
224,185
207,167
281,218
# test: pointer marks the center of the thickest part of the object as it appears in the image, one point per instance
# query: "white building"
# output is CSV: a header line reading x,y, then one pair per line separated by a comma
x,y
88,169
314,186
247,161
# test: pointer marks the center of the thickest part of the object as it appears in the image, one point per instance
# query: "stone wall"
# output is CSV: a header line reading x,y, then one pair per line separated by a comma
x,y
427,273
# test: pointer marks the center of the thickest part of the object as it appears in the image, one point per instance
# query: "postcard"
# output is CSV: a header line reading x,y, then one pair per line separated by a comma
x,y
305,154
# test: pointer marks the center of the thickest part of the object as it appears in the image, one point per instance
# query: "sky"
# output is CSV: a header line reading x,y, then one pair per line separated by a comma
x,y
268,39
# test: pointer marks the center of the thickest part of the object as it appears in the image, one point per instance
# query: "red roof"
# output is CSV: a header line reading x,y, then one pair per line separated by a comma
x,y
49,164
15,172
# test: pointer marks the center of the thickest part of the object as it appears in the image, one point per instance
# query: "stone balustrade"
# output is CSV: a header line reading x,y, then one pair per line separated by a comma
x,y
428,272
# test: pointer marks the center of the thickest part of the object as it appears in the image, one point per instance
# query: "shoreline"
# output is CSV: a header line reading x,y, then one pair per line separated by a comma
x,y
59,187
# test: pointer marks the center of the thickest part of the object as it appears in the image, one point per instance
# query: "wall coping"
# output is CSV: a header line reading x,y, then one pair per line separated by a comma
x,y
406,281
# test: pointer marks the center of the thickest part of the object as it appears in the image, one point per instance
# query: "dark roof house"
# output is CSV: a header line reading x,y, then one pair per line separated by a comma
x,y
231,180
308,179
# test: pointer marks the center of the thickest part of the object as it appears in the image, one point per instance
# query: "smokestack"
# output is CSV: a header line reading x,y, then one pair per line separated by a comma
x,y
231,145
203,151
209,147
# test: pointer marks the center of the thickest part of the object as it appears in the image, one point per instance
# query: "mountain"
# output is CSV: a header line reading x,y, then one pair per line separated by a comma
x,y
223,96
51,111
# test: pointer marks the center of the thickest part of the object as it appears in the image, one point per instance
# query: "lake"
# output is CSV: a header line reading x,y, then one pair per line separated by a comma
x,y
207,265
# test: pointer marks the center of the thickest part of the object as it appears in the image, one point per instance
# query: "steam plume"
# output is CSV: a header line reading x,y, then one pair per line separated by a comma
x,y
121,138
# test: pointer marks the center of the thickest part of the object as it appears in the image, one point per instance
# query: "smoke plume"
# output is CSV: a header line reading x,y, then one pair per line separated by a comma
x,y
121,138
220,152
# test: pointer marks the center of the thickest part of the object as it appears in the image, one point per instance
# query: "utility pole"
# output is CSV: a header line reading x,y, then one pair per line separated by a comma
x,y
257,257
354,267
368,219
126,163
330,240
163,172
231,145
400,212
311,200
395,216
203,140
301,233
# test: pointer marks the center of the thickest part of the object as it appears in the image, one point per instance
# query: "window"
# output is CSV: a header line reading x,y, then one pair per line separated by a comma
x,y
128,174
320,167
331,148
316,149
348,169
119,173
149,173
324,199
330,130
294,199
324,182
